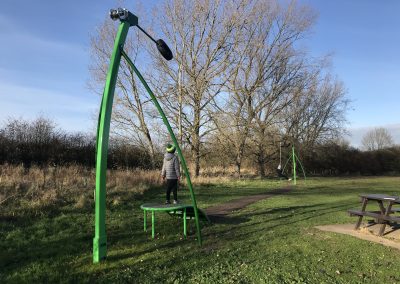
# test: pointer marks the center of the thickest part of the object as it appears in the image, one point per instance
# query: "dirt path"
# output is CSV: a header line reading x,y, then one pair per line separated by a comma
x,y
222,210
391,237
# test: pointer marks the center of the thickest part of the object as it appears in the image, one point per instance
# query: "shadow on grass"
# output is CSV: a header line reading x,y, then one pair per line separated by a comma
x,y
350,190
170,244
287,218
226,219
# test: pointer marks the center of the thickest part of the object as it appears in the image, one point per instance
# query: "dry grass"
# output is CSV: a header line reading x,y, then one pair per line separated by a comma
x,y
50,187
47,188
54,186
226,172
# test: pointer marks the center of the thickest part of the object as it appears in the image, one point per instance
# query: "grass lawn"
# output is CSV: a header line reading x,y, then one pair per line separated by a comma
x,y
271,241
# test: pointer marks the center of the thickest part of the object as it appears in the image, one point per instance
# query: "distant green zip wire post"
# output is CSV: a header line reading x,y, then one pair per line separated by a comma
x,y
294,165
301,165
127,19
295,159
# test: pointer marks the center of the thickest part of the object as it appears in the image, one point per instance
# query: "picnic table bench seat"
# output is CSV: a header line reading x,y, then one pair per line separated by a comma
x,y
375,214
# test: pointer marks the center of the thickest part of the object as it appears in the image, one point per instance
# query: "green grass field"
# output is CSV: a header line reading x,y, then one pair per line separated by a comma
x,y
271,241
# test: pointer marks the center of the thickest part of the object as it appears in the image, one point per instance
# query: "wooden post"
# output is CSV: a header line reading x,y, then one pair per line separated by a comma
x,y
388,209
364,205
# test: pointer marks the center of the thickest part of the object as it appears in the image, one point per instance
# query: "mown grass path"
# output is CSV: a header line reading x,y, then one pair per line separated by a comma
x,y
218,212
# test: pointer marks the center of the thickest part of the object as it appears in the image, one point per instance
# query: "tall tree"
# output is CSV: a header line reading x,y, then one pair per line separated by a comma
x,y
377,139
203,35
266,70
318,113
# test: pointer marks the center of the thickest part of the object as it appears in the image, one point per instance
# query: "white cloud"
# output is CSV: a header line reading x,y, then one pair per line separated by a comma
x,y
43,75
70,111
21,39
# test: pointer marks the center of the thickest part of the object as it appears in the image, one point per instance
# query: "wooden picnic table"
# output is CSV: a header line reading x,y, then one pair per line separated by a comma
x,y
383,216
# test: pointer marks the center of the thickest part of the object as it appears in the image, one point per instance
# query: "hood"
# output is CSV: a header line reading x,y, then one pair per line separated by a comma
x,y
169,156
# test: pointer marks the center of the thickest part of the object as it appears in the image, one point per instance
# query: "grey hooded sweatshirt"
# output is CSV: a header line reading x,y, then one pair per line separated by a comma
x,y
170,168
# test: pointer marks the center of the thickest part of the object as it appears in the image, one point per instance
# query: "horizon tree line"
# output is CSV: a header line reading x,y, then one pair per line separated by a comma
x,y
40,142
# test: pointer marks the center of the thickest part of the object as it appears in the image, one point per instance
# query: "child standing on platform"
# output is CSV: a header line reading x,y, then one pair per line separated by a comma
x,y
171,172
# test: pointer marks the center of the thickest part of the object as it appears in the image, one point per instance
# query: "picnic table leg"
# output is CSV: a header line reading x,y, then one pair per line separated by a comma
x,y
388,209
364,205
383,211
145,220
184,223
152,223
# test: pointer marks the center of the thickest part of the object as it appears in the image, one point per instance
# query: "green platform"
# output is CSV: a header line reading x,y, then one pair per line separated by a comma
x,y
184,211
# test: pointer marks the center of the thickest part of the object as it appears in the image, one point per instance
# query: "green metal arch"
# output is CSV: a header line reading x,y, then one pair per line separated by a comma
x,y
294,158
103,132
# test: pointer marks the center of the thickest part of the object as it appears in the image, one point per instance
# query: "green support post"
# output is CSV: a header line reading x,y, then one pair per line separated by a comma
x,y
294,165
153,217
144,220
171,133
103,131
295,160
184,223
302,168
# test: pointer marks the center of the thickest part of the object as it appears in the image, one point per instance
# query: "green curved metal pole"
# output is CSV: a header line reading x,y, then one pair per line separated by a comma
x,y
103,132
287,161
302,168
294,166
171,133
295,159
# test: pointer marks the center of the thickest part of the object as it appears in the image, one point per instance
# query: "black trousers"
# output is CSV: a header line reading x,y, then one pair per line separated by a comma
x,y
172,184
281,174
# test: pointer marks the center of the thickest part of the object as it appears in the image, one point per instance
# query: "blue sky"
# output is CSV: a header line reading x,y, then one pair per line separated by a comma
x,y
44,58
364,39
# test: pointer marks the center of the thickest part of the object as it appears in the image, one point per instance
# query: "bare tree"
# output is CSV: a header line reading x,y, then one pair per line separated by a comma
x,y
317,114
203,35
377,139
41,130
266,71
